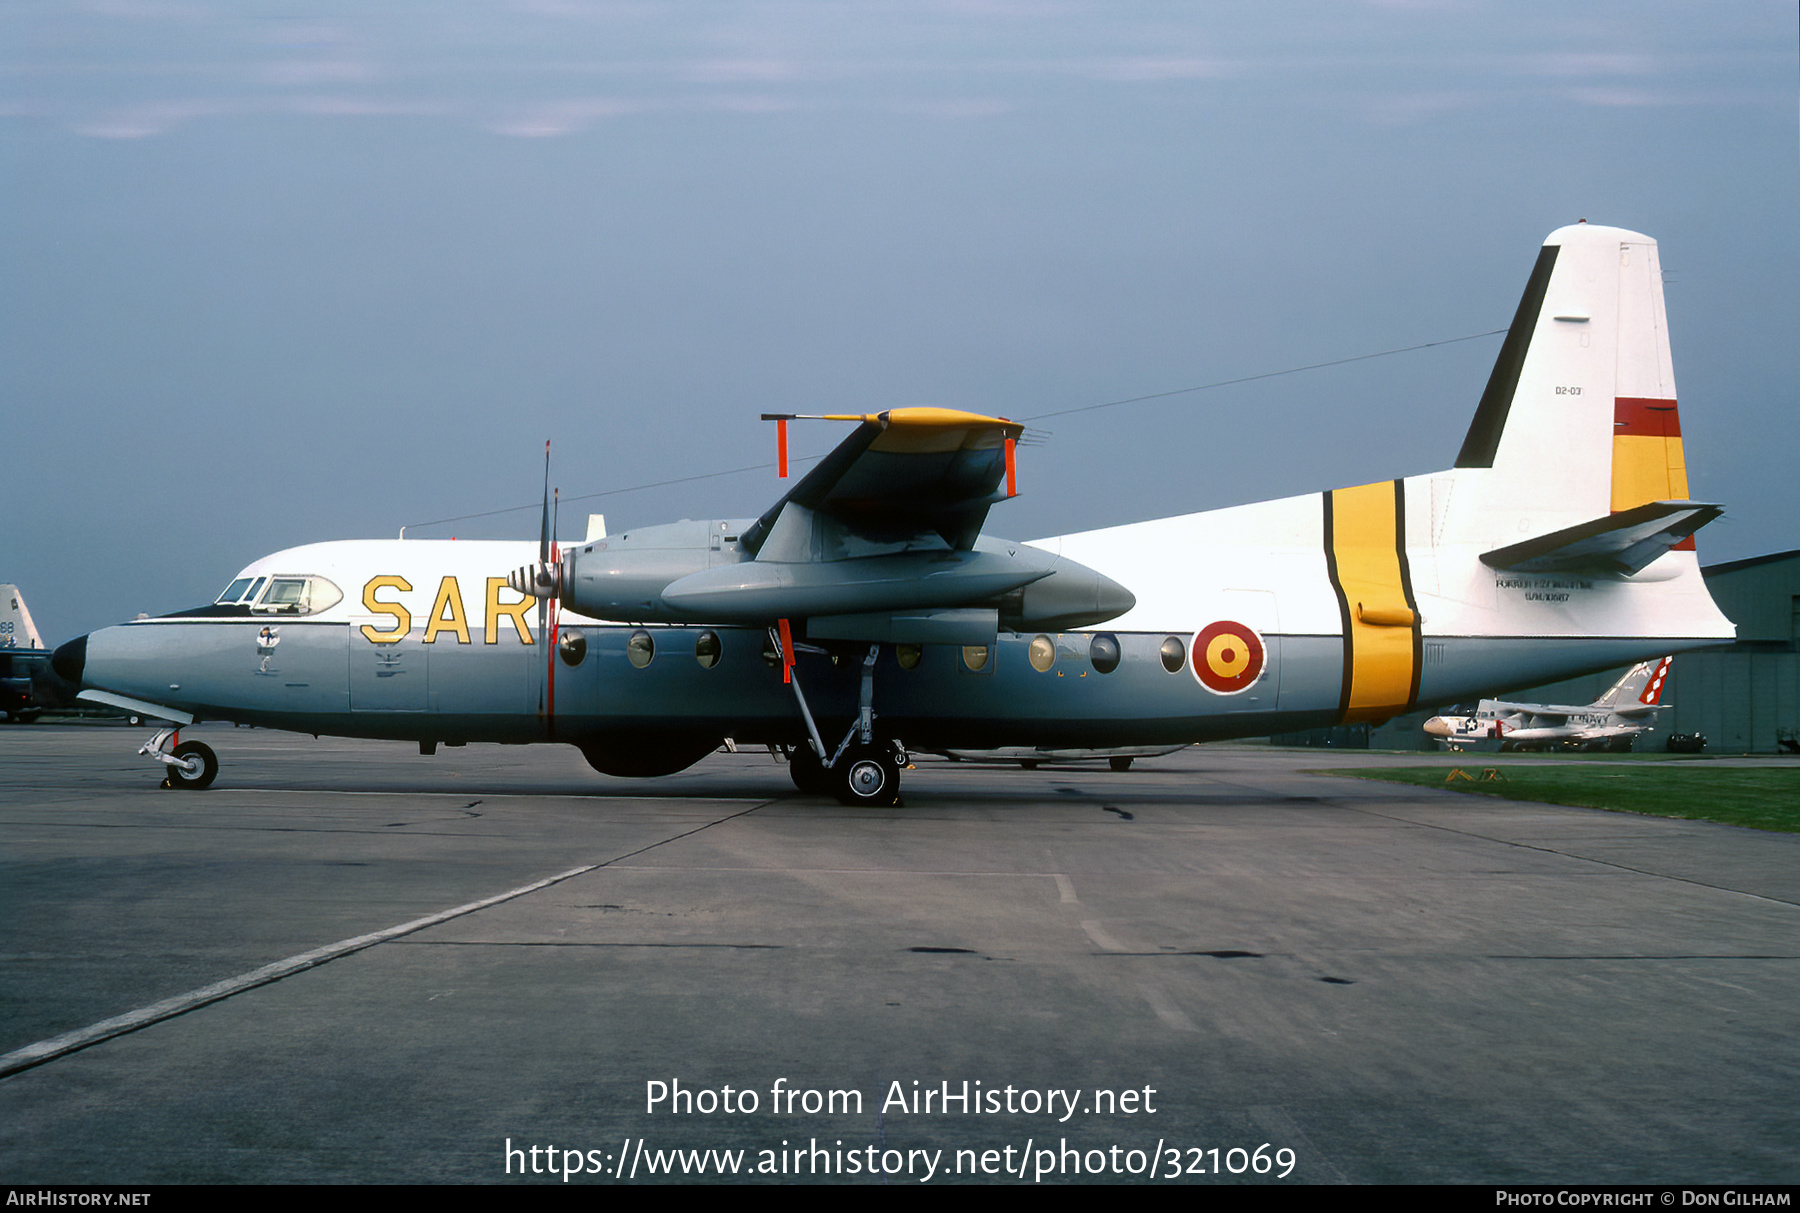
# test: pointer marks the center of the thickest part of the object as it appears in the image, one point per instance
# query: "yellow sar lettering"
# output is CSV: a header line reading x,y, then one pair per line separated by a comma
x,y
514,611
402,616
447,612
449,598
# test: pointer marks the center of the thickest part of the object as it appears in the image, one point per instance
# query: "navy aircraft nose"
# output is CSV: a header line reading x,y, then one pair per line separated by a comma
x,y
70,660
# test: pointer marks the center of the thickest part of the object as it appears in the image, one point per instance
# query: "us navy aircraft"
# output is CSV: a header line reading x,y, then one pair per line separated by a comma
x,y
1610,722
27,684
865,613
23,659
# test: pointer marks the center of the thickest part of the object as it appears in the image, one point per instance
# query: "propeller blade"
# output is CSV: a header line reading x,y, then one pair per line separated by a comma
x,y
544,529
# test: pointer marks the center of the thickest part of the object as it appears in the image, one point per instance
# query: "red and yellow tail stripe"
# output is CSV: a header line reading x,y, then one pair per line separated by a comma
x,y
1365,555
1648,464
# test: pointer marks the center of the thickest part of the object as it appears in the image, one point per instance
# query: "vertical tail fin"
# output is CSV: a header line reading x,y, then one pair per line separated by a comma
x,y
17,631
1579,418
1642,684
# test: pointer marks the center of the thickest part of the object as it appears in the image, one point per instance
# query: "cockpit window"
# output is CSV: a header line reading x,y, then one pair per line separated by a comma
x,y
297,596
234,591
285,592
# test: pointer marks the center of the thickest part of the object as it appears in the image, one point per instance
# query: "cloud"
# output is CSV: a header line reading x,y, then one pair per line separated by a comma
x,y
736,71
1616,97
148,118
564,117
956,107
1611,63
337,105
1406,108
294,72
1145,67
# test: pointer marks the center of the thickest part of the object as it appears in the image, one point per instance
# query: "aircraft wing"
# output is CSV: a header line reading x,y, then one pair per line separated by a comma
x,y
1604,731
887,522
880,542
905,478
1540,715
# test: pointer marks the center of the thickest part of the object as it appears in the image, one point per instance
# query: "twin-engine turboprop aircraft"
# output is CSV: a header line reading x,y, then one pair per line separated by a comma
x,y
1610,722
865,612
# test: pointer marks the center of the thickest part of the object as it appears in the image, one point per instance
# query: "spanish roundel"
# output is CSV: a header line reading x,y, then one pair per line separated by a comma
x,y
1227,656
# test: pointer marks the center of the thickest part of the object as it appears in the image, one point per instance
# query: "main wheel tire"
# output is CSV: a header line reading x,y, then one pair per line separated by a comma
x,y
202,769
869,776
1119,764
807,772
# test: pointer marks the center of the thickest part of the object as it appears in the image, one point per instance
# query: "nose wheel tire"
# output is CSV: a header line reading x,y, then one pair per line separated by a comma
x,y
868,775
198,767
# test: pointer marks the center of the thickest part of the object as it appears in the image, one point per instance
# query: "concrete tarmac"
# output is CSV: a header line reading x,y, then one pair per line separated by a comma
x,y
1392,984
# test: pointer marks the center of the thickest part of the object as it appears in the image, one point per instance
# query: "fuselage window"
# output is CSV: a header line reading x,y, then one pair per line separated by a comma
x,y
1041,653
1103,652
975,656
1174,654
640,649
909,655
572,644
707,649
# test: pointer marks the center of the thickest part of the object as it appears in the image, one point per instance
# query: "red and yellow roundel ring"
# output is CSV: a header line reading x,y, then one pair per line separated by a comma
x,y
1227,656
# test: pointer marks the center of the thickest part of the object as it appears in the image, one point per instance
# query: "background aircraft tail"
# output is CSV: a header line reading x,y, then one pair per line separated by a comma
x,y
1579,421
16,628
1641,686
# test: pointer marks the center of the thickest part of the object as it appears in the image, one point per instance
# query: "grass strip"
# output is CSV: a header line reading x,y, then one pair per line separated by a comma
x,y
1762,798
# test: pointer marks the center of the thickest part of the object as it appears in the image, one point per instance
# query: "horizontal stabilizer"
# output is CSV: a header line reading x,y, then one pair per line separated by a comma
x,y
1622,544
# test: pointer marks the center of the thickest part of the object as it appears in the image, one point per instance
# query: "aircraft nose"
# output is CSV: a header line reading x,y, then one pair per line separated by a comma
x,y
70,660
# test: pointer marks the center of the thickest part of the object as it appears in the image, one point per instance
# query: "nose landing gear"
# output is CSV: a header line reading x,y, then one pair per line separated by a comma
x,y
190,765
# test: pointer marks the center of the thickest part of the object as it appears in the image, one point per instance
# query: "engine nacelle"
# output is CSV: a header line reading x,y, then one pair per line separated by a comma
x,y
699,572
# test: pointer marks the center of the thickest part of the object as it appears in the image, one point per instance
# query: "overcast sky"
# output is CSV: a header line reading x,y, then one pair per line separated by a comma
x,y
278,273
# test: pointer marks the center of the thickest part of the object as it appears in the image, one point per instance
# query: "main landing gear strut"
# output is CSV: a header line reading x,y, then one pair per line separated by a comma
x,y
864,769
